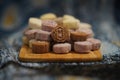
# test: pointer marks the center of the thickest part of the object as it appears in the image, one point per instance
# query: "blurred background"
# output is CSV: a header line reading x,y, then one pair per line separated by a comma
x,y
103,15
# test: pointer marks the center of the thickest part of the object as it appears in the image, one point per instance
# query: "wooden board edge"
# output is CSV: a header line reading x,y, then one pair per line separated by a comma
x,y
23,56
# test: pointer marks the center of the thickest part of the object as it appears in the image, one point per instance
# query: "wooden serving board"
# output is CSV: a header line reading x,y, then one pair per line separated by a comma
x,y
27,55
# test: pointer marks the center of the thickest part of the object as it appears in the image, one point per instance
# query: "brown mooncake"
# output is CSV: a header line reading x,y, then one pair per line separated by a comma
x,y
40,47
60,34
78,36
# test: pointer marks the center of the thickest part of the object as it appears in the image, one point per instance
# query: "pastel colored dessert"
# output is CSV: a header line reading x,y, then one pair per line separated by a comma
x,y
62,48
30,34
68,17
43,35
40,47
71,23
35,23
83,25
48,25
82,47
48,16
50,33
95,43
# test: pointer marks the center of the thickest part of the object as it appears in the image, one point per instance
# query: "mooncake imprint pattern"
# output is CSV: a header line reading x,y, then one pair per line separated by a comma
x,y
50,33
60,34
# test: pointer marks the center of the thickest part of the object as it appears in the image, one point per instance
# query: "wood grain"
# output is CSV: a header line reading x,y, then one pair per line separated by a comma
x,y
27,55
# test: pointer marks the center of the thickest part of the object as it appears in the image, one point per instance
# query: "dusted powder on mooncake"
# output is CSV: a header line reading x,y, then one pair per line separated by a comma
x,y
30,34
43,35
95,43
62,48
83,46
48,25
